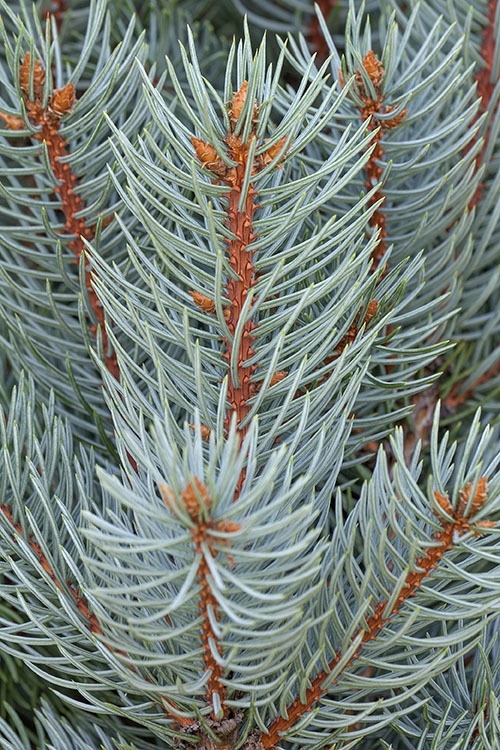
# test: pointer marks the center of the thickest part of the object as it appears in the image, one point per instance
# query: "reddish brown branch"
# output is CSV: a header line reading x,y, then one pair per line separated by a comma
x,y
315,36
57,10
201,536
485,89
442,543
426,402
48,119
208,601
241,252
241,261
240,223
82,606
197,502
369,111
455,399
475,733
346,340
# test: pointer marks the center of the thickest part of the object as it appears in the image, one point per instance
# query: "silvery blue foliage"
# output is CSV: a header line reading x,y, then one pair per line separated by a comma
x,y
166,567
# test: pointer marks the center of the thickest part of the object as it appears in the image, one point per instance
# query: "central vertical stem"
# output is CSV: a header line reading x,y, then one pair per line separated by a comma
x,y
240,223
241,261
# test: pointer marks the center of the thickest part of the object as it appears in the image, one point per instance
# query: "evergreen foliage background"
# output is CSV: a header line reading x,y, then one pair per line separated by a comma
x,y
250,379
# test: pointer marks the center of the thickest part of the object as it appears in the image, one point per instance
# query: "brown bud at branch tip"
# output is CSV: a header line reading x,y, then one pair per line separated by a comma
x,y
38,77
62,100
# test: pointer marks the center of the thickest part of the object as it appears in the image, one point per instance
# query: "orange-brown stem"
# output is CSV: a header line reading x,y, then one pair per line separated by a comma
x,y
314,34
241,261
48,120
57,10
71,204
369,110
475,733
485,89
207,602
443,542
81,604
378,220
346,340
196,500
240,387
241,253
455,399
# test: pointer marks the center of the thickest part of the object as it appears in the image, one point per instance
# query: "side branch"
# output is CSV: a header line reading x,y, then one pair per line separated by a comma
x,y
48,120
91,619
346,340
455,399
315,36
241,261
443,542
369,112
485,88
57,10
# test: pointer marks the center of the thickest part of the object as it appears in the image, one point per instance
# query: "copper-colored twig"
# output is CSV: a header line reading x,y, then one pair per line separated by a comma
x,y
197,502
239,223
82,606
314,34
455,399
475,733
485,89
57,10
369,111
240,256
346,340
48,119
442,543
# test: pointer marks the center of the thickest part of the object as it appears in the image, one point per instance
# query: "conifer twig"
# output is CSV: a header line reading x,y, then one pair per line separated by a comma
x,y
241,252
369,112
197,502
475,733
455,399
315,37
57,10
82,606
485,89
443,541
426,401
48,120
346,340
